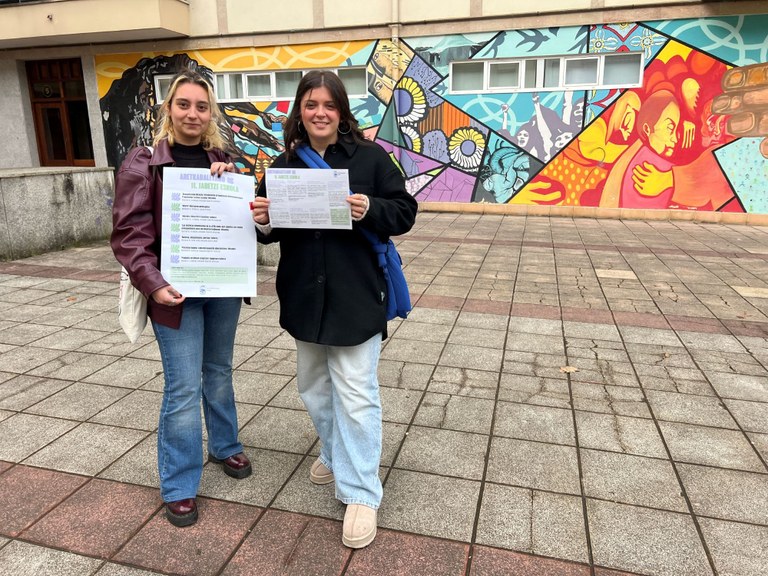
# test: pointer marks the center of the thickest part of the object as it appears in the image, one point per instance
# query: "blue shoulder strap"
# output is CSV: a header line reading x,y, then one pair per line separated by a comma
x,y
398,298
314,160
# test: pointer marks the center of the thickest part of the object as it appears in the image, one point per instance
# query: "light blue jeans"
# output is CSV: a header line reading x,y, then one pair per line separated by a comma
x,y
197,365
340,389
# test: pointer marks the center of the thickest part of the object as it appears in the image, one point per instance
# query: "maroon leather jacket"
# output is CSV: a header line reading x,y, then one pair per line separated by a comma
x,y
137,223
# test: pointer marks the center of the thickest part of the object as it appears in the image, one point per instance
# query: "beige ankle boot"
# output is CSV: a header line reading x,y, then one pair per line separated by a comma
x,y
319,473
359,526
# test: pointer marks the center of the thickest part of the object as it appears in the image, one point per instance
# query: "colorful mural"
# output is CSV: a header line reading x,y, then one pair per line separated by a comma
x,y
694,136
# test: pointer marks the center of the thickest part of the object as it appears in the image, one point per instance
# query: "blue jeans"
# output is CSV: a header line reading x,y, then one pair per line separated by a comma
x,y
197,365
340,389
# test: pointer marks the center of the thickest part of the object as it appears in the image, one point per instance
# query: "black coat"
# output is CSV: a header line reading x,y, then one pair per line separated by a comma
x,y
330,286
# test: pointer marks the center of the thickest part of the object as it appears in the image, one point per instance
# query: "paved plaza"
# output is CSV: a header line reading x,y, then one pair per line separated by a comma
x,y
569,396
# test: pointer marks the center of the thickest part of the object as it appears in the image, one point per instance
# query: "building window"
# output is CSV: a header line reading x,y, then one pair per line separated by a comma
x,y
162,85
468,77
552,78
593,71
581,72
355,81
286,84
62,128
259,85
504,75
280,84
267,86
623,70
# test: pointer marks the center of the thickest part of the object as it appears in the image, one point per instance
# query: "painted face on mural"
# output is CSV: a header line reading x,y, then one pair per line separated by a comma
x,y
578,109
627,123
190,114
320,117
662,136
522,138
562,139
712,127
505,173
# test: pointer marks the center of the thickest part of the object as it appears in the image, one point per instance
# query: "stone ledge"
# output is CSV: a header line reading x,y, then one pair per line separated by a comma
x,y
595,212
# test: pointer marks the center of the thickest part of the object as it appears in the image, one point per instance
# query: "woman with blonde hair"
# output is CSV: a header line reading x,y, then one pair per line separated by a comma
x,y
195,335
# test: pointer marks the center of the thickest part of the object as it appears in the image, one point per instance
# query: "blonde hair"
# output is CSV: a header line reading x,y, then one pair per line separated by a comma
x,y
212,138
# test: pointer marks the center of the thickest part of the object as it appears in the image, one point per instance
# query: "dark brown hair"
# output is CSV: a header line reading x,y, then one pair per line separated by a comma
x,y
295,133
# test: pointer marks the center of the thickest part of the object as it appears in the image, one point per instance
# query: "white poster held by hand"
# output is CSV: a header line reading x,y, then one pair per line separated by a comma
x,y
306,198
209,240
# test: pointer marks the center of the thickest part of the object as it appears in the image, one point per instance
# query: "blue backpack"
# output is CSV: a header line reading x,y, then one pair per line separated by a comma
x,y
398,298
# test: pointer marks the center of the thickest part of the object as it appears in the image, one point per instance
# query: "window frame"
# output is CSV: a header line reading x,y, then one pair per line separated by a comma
x,y
273,74
538,63
158,78
581,85
640,76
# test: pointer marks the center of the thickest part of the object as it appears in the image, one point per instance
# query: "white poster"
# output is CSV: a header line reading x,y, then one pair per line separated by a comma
x,y
307,198
209,239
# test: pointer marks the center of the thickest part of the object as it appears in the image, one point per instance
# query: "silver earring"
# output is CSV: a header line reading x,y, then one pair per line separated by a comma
x,y
349,129
300,128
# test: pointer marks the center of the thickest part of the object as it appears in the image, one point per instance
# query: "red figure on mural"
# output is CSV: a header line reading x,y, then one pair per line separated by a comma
x,y
671,164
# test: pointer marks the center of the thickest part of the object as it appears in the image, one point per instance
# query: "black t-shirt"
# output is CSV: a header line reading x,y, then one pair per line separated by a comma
x,y
190,156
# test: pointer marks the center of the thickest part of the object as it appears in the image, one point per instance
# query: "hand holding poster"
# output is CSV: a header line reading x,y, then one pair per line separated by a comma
x,y
208,239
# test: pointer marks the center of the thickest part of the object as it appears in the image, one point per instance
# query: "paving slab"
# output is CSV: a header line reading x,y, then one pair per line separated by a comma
x,y
534,390
429,504
201,549
534,465
711,446
80,401
637,540
279,429
21,392
619,434
631,479
540,423
461,413
736,548
19,558
487,561
97,520
399,553
287,544
424,450
86,449
27,493
24,434
270,471
460,382
726,494
533,521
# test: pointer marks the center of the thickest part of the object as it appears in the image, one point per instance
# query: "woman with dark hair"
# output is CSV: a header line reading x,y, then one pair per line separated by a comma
x,y
332,296
196,336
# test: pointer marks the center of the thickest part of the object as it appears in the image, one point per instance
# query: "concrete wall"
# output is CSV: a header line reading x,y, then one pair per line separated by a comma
x,y
48,209
17,146
247,16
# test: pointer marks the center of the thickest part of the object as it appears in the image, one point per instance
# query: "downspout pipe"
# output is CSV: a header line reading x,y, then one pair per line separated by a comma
x,y
394,37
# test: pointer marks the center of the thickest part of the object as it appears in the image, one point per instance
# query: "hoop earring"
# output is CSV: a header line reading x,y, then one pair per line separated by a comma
x,y
349,129
300,128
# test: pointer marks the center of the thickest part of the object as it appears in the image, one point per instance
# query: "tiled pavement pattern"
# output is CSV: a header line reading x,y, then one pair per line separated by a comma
x,y
569,397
